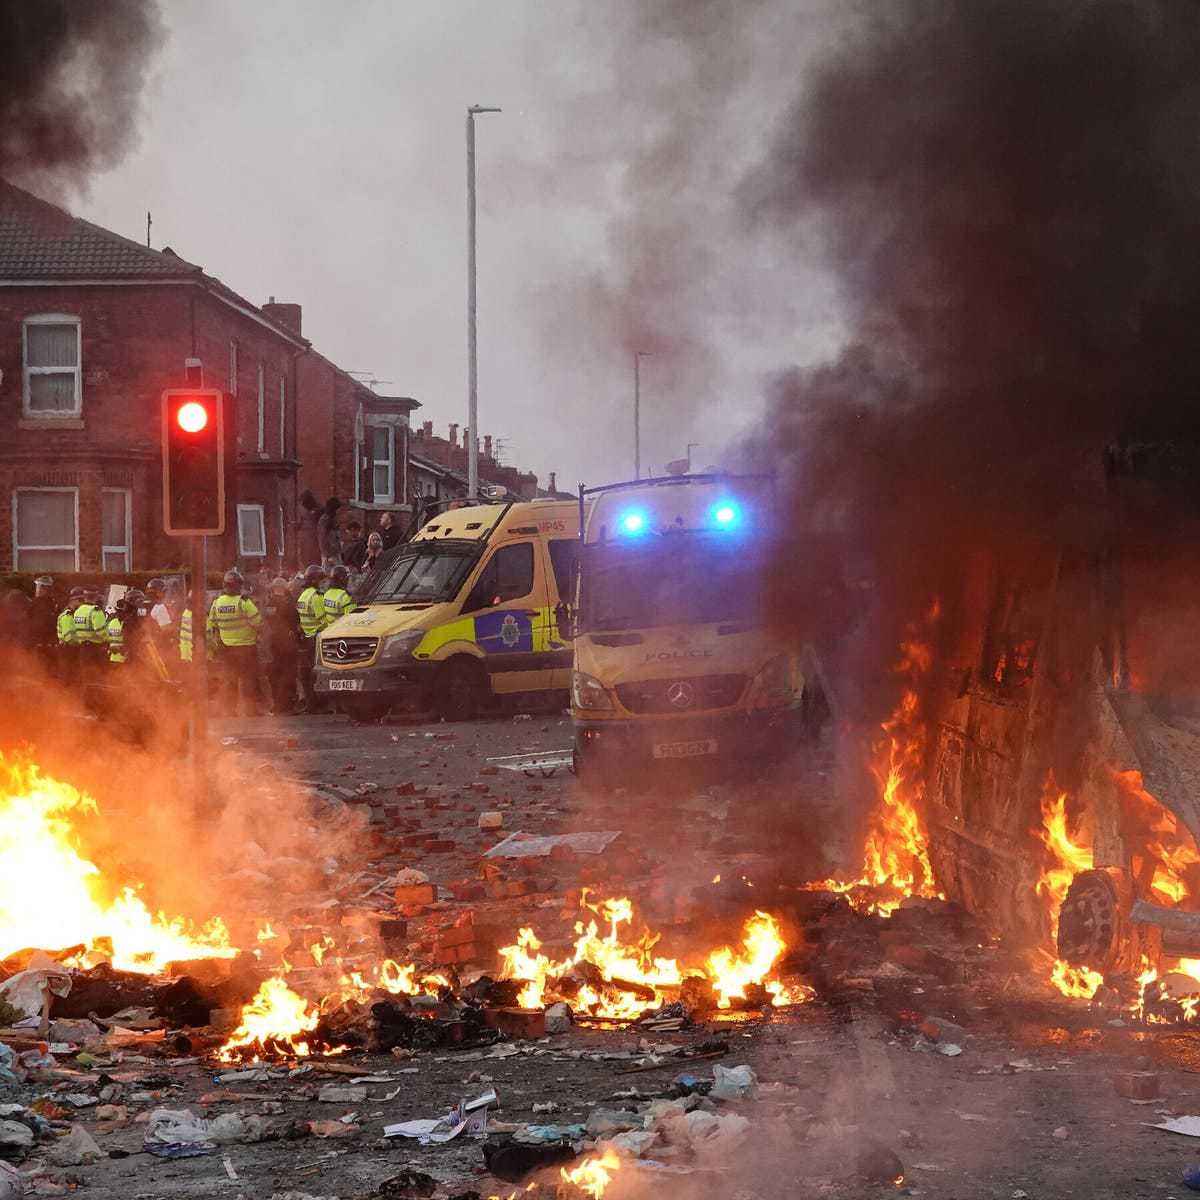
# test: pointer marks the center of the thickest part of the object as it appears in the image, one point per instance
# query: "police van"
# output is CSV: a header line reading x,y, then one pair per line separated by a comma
x,y
673,657
464,612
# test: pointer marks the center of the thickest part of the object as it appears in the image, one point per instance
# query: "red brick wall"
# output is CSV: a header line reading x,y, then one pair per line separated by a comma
x,y
134,343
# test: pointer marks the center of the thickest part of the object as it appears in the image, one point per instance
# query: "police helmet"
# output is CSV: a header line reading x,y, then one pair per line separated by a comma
x,y
279,584
44,581
77,593
234,581
339,576
314,575
156,586
135,598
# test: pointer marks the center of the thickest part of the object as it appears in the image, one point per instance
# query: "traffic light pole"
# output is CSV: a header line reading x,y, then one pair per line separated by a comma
x,y
199,670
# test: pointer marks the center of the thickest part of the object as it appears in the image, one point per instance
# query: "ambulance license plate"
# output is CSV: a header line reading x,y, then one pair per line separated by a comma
x,y
685,749
345,685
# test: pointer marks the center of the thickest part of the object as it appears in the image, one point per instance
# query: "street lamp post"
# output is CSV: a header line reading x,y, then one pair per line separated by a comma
x,y
638,355
472,355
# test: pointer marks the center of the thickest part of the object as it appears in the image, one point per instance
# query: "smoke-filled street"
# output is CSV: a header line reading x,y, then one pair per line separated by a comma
x,y
598,600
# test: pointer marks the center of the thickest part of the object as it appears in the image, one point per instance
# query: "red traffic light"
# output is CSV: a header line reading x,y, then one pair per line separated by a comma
x,y
192,416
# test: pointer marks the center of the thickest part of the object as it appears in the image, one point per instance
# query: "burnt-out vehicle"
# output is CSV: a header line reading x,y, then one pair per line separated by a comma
x,y
1077,672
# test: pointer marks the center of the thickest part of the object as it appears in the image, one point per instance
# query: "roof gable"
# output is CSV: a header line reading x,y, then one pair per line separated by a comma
x,y
39,240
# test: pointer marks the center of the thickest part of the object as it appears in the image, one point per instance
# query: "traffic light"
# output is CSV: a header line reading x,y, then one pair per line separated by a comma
x,y
193,445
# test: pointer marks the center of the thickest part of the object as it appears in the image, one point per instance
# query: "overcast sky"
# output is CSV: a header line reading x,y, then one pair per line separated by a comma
x,y
314,151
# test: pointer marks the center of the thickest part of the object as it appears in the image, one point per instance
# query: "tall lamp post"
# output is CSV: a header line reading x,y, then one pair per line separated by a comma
x,y
638,355
472,355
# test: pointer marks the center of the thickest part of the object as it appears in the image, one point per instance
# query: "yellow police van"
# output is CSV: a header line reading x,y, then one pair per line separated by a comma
x,y
672,656
464,612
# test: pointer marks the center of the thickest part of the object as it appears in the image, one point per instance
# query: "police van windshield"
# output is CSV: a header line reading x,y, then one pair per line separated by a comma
x,y
420,572
684,579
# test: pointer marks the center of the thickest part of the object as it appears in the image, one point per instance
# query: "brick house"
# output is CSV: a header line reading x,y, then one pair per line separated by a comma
x,y
450,454
353,442
92,327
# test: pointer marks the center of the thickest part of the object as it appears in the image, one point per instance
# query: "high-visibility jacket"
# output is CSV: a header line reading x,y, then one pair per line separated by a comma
x,y
116,641
338,602
91,625
66,627
310,608
233,621
185,635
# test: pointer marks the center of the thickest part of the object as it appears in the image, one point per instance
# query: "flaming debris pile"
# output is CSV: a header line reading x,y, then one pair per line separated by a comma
x,y
896,855
54,898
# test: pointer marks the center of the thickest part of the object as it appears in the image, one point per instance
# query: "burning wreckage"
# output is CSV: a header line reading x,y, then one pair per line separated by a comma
x,y
1031,788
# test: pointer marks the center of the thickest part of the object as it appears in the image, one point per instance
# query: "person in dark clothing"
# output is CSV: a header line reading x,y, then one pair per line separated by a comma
x,y
388,531
43,623
286,641
328,534
309,544
354,552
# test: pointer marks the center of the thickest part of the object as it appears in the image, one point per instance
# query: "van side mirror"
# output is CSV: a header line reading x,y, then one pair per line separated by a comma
x,y
564,620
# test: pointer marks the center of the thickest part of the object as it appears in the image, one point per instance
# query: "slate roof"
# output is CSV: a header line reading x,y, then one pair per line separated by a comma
x,y
38,240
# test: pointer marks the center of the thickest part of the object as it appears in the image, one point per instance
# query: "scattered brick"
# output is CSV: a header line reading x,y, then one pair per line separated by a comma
x,y
1137,1085
439,846
520,1023
416,894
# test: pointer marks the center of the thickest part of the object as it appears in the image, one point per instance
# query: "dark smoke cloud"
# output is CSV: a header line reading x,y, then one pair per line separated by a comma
x,y
1008,196
72,75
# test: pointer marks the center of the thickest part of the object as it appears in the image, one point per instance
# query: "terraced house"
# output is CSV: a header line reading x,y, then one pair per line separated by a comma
x,y
93,327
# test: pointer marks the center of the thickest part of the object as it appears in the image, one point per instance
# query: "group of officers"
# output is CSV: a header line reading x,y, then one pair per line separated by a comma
x,y
250,638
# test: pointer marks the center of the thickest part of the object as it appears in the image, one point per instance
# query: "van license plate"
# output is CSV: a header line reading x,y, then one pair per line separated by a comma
x,y
345,685
685,749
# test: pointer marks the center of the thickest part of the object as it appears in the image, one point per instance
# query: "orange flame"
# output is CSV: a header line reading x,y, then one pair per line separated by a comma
x,y
1067,857
593,1175
52,897
634,962
762,947
896,853
275,1018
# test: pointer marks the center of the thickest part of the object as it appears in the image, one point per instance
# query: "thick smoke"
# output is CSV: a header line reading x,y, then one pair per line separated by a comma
x,y
73,75
1007,196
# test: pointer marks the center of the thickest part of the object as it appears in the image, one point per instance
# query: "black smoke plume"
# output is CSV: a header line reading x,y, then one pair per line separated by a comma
x,y
1008,196
71,76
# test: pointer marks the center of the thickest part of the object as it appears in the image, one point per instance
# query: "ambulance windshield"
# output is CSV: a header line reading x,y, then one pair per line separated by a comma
x,y
684,579
429,572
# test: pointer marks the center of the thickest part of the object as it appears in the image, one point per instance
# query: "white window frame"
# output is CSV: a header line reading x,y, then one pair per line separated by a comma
x,y
26,370
127,548
282,534
262,409
233,366
390,497
17,548
262,525
282,415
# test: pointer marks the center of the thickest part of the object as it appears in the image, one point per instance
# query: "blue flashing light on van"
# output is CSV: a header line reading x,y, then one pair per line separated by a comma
x,y
726,514
633,522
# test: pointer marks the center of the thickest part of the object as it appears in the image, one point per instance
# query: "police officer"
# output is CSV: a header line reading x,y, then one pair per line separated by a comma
x,y
337,601
232,627
68,648
115,634
310,609
91,636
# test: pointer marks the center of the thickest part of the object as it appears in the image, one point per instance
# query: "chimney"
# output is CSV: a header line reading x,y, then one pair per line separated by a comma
x,y
487,445
427,429
454,435
553,481
287,315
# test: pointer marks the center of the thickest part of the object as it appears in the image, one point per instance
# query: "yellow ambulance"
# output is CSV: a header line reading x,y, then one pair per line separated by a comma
x,y
464,612
672,656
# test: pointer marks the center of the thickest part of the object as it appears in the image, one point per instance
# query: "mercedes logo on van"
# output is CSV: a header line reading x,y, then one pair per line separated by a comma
x,y
680,694
342,649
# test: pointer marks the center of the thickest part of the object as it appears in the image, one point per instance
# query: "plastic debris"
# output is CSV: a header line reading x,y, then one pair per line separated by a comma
x,y
468,1116
76,1149
527,845
733,1083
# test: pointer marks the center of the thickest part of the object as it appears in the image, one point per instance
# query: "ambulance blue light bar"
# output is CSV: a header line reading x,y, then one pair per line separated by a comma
x,y
726,514
632,522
